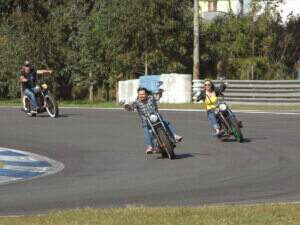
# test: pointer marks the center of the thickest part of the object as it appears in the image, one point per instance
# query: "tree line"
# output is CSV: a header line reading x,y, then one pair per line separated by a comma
x,y
98,42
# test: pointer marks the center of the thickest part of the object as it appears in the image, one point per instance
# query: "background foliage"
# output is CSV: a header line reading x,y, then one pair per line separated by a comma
x,y
90,42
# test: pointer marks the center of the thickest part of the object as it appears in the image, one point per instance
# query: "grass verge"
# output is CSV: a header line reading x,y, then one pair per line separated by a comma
x,y
99,104
268,214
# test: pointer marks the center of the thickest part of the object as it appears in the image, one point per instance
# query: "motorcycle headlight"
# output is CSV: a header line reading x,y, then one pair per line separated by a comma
x,y
153,118
223,107
44,86
36,89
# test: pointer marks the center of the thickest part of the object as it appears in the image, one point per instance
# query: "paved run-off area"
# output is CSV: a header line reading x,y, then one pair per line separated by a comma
x,y
105,165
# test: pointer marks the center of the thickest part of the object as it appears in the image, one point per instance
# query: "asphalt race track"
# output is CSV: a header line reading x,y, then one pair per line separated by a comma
x,y
105,164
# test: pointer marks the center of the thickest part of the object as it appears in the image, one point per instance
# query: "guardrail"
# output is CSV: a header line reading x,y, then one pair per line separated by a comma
x,y
259,91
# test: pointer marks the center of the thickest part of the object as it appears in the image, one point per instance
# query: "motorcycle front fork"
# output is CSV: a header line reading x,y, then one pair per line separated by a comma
x,y
224,126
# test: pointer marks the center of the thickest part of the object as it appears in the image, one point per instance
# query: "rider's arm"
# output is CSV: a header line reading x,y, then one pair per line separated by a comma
x,y
23,79
130,106
43,72
219,90
153,101
38,73
199,96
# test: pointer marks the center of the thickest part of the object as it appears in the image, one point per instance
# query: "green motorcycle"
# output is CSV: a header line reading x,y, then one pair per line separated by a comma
x,y
229,124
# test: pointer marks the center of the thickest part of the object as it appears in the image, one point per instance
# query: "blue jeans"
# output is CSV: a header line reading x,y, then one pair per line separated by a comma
x,y
30,94
148,137
212,119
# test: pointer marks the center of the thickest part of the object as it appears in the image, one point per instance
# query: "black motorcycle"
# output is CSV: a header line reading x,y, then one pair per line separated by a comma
x,y
46,102
229,124
163,138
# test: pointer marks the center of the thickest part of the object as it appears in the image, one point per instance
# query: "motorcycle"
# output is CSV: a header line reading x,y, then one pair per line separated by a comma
x,y
228,122
163,139
46,102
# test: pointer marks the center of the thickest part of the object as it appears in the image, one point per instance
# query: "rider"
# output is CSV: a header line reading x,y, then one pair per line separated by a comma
x,y
146,104
28,79
209,94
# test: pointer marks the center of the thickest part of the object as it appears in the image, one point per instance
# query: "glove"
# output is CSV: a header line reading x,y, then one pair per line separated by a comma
x,y
195,98
127,107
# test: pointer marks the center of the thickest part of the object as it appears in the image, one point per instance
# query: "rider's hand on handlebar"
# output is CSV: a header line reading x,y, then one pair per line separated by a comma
x,y
127,107
195,98
122,102
23,79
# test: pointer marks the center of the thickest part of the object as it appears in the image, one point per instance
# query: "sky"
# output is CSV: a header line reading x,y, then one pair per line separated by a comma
x,y
286,8
290,6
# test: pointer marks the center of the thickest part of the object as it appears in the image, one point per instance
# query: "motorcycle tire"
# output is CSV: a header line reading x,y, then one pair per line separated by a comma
x,y
167,149
236,130
27,106
51,106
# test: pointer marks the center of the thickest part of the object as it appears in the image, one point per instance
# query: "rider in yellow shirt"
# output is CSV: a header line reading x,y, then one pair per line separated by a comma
x,y
209,95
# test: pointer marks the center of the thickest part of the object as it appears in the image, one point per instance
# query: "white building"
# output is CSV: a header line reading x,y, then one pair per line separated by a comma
x,y
209,9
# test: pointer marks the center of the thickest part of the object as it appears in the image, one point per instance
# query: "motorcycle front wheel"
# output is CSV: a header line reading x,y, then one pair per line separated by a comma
x,y
167,148
27,106
51,106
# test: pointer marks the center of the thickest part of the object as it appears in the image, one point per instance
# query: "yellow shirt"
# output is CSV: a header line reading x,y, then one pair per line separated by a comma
x,y
211,102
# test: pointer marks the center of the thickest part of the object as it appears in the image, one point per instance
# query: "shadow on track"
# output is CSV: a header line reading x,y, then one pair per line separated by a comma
x,y
179,156
229,140
184,156
59,116
191,155
66,115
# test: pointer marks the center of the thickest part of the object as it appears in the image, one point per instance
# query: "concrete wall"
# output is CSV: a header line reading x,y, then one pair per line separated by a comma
x,y
127,90
177,88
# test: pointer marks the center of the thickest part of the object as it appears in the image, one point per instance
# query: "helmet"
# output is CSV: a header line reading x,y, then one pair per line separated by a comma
x,y
27,63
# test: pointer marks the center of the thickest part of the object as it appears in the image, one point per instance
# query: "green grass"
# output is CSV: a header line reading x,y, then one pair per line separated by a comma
x,y
84,103
101,104
11,102
1,164
269,214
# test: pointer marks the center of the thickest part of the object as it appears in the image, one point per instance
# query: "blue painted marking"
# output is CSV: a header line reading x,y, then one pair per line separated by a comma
x,y
11,153
19,174
152,83
18,165
30,164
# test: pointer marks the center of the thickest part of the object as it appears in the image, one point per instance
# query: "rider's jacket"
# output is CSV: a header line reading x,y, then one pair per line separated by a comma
x,y
146,107
32,79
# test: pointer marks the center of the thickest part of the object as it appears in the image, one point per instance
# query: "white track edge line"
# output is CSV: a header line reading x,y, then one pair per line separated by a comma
x,y
178,110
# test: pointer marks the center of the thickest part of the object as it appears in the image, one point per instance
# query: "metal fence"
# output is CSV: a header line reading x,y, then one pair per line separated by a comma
x,y
259,91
